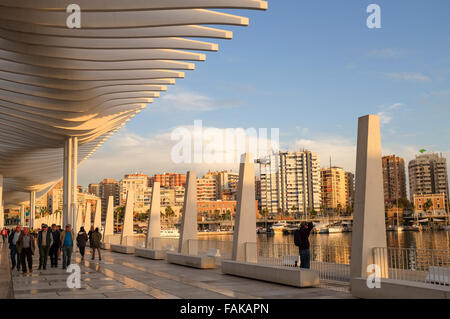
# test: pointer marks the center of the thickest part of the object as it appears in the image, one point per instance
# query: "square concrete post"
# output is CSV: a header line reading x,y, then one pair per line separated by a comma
x,y
59,219
67,182
188,232
154,219
87,217
127,238
79,221
98,215
32,209
74,181
22,215
109,221
244,238
369,229
2,215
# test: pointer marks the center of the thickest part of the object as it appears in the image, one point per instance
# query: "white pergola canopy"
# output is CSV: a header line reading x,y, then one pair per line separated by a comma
x,y
57,82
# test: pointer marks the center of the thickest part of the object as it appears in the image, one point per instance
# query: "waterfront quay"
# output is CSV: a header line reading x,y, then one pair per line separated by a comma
x,y
119,276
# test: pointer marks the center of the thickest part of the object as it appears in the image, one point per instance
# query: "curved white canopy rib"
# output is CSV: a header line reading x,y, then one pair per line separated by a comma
x,y
57,82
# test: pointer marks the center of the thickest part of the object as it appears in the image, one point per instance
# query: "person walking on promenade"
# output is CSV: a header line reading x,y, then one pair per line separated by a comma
x,y
82,239
45,241
59,228
12,240
67,240
54,247
26,247
4,233
95,243
301,239
91,231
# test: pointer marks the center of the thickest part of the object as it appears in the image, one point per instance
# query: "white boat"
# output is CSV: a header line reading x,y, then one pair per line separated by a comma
x,y
278,227
169,233
398,228
335,229
321,228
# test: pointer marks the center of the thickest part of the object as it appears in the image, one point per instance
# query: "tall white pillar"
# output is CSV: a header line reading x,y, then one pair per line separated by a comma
x,y
67,182
79,220
369,229
22,215
2,212
109,221
32,208
188,230
98,215
87,217
244,238
74,187
127,238
154,217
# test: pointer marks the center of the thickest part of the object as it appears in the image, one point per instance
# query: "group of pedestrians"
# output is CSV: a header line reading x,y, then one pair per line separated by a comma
x,y
94,237
50,242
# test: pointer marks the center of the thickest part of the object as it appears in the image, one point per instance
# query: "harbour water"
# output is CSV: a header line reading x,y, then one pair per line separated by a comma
x,y
407,239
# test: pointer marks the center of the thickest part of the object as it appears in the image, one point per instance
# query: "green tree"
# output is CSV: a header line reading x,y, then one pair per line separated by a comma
x,y
169,215
216,214
119,214
427,205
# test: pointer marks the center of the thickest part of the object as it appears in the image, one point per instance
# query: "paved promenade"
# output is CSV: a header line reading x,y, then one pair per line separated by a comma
x,y
6,289
127,276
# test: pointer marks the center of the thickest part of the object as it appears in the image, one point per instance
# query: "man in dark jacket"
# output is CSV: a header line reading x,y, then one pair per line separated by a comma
x,y
302,241
12,240
96,240
45,241
82,239
54,248
26,247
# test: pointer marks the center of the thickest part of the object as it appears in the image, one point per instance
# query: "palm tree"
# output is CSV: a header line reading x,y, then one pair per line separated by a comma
x,y
169,214
427,205
119,214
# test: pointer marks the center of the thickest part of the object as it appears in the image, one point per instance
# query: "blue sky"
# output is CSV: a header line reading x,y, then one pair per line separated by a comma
x,y
310,68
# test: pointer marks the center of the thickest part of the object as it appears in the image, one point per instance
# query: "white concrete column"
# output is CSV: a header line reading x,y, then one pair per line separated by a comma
x,y
22,215
154,218
127,238
369,229
2,212
109,221
98,215
189,218
244,238
87,217
74,187
67,182
79,221
32,208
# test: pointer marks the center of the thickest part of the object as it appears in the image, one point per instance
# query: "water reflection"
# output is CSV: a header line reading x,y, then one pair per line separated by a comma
x,y
408,239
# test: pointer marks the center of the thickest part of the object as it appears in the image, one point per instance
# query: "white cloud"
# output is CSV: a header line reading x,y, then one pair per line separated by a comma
x,y
342,151
386,113
385,118
385,53
127,152
406,76
187,101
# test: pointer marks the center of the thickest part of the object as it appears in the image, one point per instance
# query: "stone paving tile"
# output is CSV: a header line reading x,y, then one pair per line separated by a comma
x,y
125,276
130,295
41,295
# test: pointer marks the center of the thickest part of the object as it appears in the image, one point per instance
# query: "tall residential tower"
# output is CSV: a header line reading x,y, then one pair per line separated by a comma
x,y
428,175
290,183
394,178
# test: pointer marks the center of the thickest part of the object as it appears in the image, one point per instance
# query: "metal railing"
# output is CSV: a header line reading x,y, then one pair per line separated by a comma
x,y
218,249
332,262
430,266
